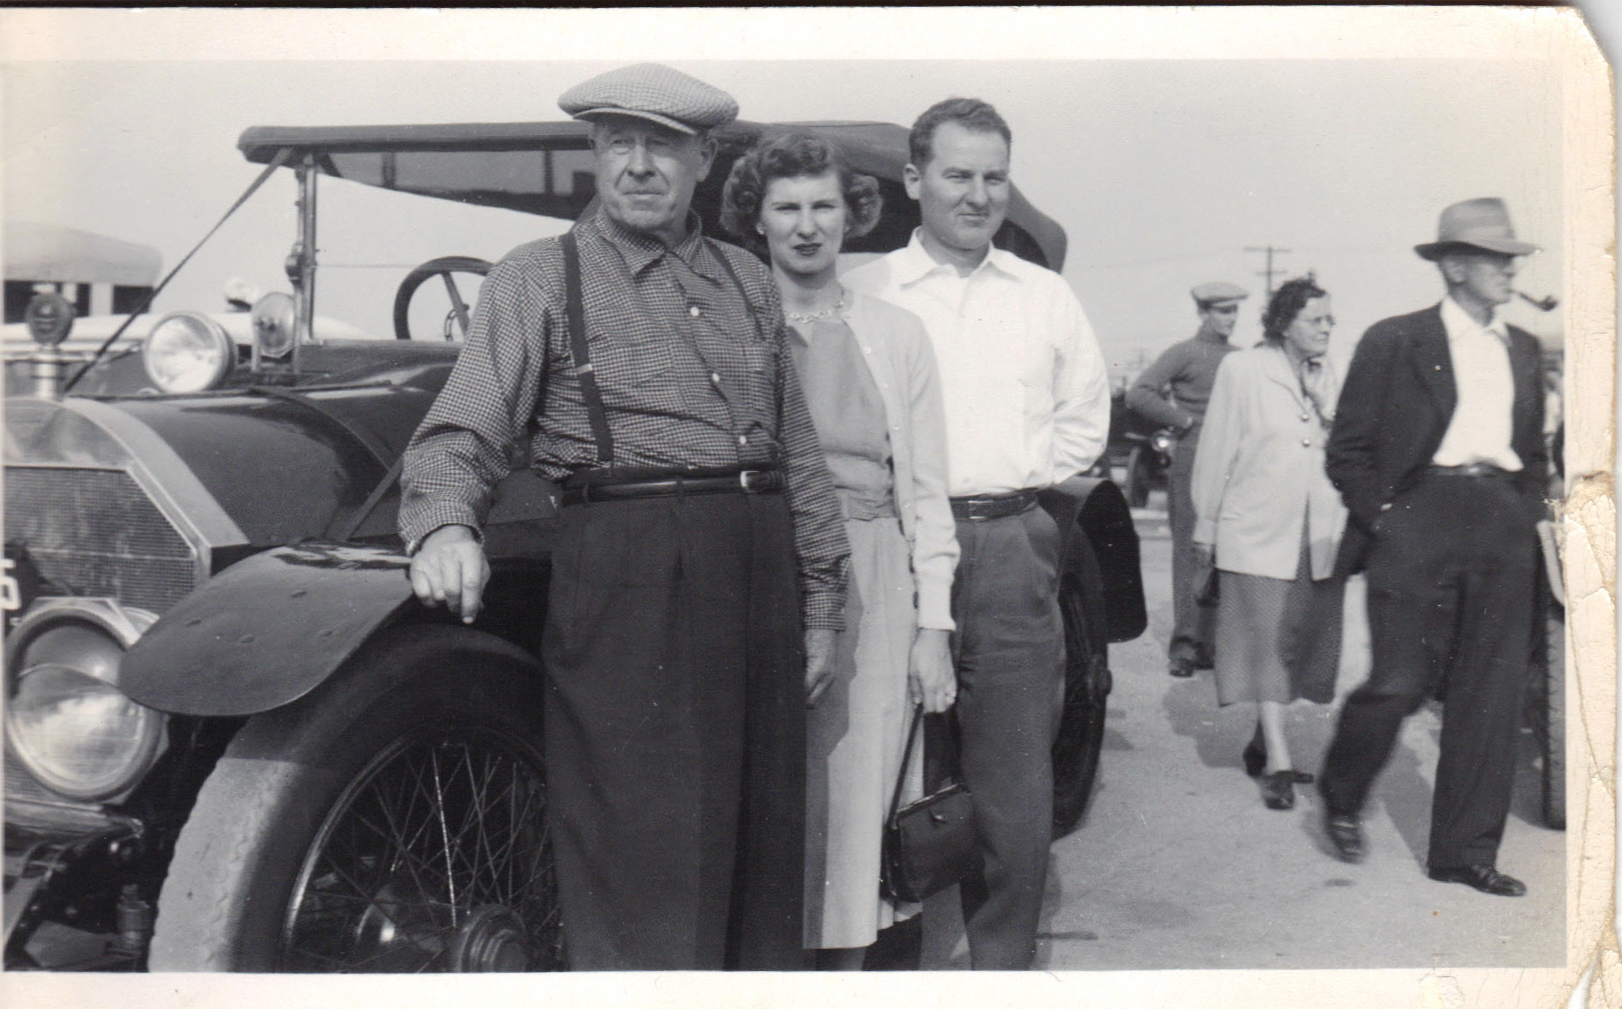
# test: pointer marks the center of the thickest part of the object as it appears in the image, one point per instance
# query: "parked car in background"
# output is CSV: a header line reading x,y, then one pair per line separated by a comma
x,y
233,738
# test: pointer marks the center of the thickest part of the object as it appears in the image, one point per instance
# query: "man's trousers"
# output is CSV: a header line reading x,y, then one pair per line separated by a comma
x,y
1450,585
675,733
1010,667
1193,635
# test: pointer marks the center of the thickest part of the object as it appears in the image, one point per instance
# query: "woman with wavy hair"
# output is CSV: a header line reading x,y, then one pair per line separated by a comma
x,y
869,377
1267,509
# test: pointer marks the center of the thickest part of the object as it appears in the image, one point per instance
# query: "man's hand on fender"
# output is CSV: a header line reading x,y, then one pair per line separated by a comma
x,y
819,663
931,680
450,568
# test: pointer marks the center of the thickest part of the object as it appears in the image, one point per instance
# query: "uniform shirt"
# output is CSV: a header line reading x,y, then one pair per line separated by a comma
x,y
1026,394
1480,428
1186,370
691,374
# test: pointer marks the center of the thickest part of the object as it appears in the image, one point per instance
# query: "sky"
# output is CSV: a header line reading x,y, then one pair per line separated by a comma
x,y
1163,172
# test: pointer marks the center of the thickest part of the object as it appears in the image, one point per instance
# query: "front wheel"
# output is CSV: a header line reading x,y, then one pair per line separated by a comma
x,y
1087,686
392,820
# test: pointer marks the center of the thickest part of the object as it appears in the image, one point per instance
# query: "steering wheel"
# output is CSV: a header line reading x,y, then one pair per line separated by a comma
x,y
459,315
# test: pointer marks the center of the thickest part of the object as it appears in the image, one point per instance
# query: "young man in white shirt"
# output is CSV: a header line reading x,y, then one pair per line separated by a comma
x,y
1027,406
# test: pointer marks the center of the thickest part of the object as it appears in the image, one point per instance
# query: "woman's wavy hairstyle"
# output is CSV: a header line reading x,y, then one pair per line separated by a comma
x,y
791,156
1286,303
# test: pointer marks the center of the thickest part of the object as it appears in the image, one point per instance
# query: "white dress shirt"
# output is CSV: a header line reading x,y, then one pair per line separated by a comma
x,y
1026,393
1481,426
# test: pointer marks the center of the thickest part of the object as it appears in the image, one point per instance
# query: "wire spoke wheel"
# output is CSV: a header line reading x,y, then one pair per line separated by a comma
x,y
436,858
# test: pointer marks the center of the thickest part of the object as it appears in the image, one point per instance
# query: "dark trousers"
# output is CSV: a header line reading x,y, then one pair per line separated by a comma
x,y
675,734
1450,583
1010,668
1194,629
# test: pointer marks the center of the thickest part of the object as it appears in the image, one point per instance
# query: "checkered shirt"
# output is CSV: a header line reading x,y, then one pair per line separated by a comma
x,y
691,375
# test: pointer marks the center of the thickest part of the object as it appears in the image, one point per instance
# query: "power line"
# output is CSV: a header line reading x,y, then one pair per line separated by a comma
x,y
1269,272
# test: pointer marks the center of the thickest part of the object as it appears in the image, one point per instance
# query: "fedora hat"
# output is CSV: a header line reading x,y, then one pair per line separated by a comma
x,y
1478,224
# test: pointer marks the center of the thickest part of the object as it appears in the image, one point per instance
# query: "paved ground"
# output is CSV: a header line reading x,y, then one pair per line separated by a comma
x,y
1179,864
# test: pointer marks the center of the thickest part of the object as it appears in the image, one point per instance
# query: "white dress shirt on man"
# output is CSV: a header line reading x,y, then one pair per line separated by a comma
x,y
1480,428
1027,396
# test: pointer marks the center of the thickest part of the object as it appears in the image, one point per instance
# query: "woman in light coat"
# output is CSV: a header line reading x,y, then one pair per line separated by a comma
x,y
869,378
1268,511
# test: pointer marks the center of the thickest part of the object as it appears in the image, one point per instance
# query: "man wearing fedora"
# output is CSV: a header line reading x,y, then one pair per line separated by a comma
x,y
1437,449
699,531
1173,392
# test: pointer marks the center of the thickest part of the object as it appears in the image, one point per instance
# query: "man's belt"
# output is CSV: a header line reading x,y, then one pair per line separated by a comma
x,y
981,507
1474,469
606,488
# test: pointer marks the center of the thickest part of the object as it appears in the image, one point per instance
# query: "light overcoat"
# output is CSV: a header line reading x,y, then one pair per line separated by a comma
x,y
1259,470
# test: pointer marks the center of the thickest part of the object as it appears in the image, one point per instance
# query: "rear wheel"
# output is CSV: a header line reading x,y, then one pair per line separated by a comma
x,y
1138,476
1553,736
1087,686
392,820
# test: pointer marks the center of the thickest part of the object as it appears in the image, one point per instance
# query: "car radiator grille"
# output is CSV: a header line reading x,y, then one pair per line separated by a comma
x,y
94,532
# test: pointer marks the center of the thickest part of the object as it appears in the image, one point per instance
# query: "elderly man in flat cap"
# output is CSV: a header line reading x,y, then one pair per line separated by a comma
x,y
1173,392
699,532
1437,449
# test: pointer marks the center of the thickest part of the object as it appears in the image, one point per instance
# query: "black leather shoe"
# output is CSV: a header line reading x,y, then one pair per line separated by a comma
x,y
1255,757
1483,877
1181,668
1346,835
1203,659
1278,790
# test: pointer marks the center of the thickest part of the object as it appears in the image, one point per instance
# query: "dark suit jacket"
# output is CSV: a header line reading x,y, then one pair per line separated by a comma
x,y
1394,409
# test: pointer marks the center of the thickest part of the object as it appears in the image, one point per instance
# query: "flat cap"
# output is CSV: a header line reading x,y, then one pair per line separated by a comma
x,y
1218,290
651,91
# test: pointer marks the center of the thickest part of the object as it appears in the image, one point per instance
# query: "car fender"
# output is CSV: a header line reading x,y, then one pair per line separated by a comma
x,y
1097,509
267,630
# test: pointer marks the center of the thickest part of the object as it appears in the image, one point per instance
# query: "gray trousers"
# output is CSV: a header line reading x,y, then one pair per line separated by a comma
x,y
1010,666
1194,631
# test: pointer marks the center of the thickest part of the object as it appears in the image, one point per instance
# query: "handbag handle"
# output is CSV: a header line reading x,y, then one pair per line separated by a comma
x,y
906,759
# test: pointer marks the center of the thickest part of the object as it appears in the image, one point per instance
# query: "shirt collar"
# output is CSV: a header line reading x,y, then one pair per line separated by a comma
x,y
913,263
641,249
1458,323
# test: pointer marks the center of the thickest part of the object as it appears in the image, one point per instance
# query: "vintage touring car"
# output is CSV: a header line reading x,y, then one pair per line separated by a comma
x,y
233,739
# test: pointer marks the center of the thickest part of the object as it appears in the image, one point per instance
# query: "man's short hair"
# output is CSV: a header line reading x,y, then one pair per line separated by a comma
x,y
969,113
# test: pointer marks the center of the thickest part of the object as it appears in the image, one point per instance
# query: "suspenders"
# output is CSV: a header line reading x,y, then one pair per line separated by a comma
x,y
575,312
575,316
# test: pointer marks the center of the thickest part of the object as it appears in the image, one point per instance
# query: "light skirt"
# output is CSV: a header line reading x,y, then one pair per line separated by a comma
x,y
1278,640
854,741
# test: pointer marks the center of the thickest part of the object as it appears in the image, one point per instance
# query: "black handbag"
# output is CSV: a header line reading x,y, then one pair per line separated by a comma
x,y
928,844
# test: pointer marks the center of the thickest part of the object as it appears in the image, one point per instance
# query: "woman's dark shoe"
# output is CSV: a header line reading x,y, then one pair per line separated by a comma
x,y
1255,757
1278,790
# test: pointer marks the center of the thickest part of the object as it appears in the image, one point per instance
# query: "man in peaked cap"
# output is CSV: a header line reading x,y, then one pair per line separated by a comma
x,y
1173,392
699,532
1438,451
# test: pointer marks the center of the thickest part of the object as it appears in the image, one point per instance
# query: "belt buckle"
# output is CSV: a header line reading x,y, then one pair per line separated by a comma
x,y
744,476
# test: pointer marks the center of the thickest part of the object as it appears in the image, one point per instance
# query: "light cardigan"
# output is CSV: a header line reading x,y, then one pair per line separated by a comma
x,y
1259,470
897,352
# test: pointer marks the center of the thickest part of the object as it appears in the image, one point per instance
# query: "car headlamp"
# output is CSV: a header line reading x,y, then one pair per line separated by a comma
x,y
188,352
69,724
273,325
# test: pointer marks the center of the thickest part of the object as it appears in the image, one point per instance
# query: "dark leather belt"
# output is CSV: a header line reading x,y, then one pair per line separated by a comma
x,y
748,481
1475,469
981,507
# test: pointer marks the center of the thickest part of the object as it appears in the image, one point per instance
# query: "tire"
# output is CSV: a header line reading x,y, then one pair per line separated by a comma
x,y
391,820
1553,736
1137,477
1087,685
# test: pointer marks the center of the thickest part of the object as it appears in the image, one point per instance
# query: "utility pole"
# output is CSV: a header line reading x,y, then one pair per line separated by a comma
x,y
1269,272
